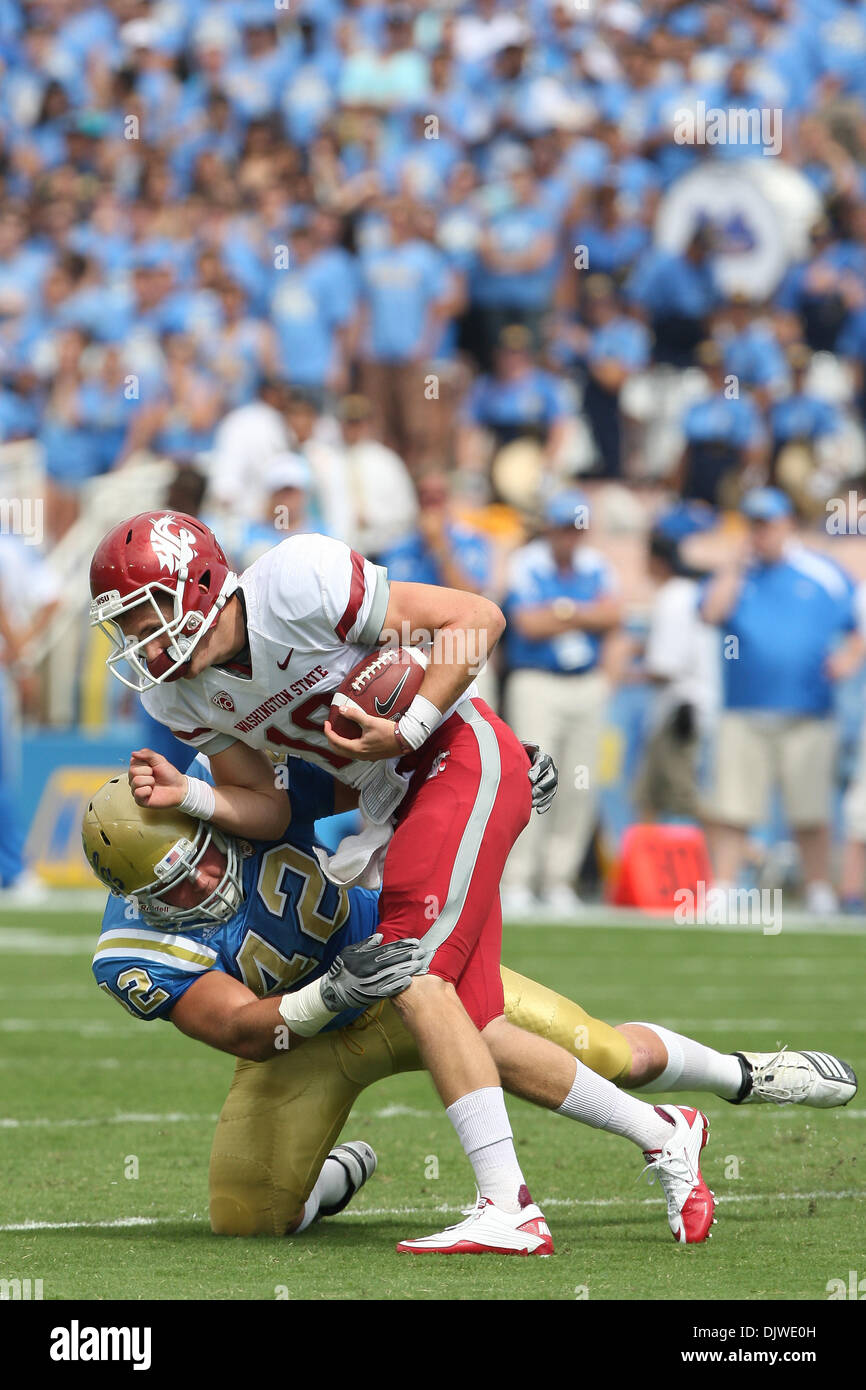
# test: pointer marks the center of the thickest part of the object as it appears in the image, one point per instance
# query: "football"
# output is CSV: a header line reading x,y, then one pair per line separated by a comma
x,y
384,684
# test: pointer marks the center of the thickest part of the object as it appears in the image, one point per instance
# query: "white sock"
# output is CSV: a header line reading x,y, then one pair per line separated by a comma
x,y
597,1102
331,1185
691,1066
482,1126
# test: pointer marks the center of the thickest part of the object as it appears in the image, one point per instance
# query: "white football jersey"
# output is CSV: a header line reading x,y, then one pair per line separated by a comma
x,y
314,607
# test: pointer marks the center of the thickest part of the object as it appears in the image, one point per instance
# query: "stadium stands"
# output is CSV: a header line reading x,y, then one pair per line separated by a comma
x,y
507,246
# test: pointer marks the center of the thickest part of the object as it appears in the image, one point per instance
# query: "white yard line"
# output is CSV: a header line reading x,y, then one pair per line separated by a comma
x,y
42,992
741,1025
601,916
855,1196
81,1027
59,901
87,1225
444,1208
97,1063
97,1028
30,941
63,904
399,1112
172,1117
175,1117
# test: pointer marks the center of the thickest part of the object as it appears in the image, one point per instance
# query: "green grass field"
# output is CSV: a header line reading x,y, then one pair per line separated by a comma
x,y
84,1087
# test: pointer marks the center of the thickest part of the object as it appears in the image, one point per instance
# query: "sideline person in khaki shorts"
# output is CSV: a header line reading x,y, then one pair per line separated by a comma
x,y
789,630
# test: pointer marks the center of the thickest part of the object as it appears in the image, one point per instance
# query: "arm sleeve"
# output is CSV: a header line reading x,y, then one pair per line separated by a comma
x,y
354,594
143,968
147,988
204,740
325,591
183,725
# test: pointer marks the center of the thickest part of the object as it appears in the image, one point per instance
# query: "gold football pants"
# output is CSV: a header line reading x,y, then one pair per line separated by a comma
x,y
282,1117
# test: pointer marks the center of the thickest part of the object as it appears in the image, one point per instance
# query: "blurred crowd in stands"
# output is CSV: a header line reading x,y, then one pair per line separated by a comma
x,y
411,274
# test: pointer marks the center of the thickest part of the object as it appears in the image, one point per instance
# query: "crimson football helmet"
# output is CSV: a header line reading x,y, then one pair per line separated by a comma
x,y
154,555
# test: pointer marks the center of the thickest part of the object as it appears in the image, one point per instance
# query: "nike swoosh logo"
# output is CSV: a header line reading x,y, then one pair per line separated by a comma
x,y
283,664
384,707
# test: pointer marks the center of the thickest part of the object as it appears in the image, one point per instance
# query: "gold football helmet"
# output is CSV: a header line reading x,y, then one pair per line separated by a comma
x,y
143,854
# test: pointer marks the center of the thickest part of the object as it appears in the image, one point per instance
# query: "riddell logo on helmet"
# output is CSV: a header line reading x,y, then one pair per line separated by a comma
x,y
224,700
173,550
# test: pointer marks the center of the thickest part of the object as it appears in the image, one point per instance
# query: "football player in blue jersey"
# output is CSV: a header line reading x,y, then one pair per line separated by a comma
x,y
210,931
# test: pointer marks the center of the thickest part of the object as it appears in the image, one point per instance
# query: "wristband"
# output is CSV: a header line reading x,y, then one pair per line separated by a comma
x,y
419,721
199,800
304,1011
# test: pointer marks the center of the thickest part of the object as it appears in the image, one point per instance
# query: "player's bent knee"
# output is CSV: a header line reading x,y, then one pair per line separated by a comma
x,y
244,1201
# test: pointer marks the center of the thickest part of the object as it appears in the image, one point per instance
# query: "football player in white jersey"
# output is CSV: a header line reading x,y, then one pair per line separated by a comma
x,y
235,667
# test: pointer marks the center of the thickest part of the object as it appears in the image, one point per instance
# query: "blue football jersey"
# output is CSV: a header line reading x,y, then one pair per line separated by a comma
x,y
290,926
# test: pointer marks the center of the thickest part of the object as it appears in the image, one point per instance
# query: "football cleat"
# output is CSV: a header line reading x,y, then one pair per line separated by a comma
x,y
488,1230
796,1078
677,1167
359,1161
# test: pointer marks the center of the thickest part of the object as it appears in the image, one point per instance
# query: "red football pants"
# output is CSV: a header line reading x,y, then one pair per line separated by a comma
x,y
468,800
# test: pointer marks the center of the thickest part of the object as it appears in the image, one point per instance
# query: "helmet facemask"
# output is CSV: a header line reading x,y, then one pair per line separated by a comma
x,y
180,864
107,610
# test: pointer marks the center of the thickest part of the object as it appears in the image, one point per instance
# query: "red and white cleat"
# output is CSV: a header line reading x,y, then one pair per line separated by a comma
x,y
488,1230
677,1167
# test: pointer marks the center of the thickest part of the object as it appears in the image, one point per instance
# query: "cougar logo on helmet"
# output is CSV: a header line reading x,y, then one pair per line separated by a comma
x,y
174,552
